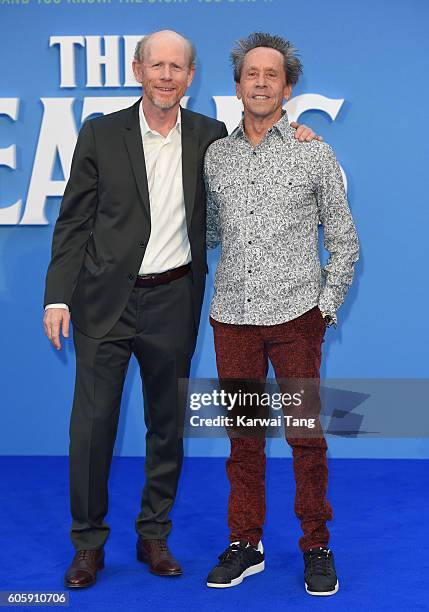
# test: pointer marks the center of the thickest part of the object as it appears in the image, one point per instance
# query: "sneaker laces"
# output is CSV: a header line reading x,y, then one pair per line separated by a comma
x,y
318,559
231,555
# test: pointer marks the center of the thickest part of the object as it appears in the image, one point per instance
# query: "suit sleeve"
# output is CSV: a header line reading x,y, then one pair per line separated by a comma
x,y
75,221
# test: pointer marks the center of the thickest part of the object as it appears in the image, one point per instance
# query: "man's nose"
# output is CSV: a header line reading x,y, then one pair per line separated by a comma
x,y
166,73
261,81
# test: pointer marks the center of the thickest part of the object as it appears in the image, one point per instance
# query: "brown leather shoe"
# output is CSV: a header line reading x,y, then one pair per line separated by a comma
x,y
83,569
157,554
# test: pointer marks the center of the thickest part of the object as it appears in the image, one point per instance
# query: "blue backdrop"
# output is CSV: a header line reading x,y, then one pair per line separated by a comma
x,y
372,55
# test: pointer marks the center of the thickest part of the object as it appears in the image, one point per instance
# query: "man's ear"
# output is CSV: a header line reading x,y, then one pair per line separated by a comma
x,y
287,92
137,69
191,75
238,90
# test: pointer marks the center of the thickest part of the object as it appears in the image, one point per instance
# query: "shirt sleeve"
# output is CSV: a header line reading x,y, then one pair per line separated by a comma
x,y
340,237
213,232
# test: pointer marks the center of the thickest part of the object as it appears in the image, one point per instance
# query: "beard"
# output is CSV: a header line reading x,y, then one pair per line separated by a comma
x,y
162,103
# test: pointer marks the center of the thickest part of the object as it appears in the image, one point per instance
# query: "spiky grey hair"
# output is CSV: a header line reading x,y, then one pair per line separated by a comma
x,y
292,64
143,42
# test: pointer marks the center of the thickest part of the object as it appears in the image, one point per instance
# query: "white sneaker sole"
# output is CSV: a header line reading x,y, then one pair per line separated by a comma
x,y
323,593
254,569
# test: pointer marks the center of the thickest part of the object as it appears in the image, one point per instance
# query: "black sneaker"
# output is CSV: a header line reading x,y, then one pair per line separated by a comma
x,y
238,561
320,575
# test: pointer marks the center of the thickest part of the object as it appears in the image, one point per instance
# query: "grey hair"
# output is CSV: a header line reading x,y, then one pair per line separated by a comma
x,y
143,42
292,64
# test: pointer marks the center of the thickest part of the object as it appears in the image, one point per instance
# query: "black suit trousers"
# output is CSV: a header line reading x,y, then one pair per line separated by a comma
x,y
158,327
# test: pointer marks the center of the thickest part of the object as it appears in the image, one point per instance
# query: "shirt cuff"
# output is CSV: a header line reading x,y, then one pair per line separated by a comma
x,y
57,306
328,303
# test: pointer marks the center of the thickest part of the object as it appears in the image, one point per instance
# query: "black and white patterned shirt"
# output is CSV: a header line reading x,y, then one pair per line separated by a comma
x,y
264,205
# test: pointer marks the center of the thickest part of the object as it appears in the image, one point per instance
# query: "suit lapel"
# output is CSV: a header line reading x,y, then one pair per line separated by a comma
x,y
133,142
189,162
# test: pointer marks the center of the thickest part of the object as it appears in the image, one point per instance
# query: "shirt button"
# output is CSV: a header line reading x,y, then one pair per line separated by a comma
x,y
141,244
131,276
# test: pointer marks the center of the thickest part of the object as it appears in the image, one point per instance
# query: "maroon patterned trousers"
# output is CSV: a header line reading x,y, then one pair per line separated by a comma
x,y
294,349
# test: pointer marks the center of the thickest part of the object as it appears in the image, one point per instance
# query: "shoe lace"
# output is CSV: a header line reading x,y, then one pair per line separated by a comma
x,y
163,546
83,555
319,561
232,555
160,545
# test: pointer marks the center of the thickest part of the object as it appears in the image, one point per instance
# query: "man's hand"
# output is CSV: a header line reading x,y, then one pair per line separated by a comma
x,y
54,320
304,133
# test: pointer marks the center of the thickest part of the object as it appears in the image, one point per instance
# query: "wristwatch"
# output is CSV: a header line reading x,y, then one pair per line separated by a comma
x,y
329,319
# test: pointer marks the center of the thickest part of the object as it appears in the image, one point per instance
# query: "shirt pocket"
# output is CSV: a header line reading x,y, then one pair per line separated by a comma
x,y
220,186
225,191
292,194
292,182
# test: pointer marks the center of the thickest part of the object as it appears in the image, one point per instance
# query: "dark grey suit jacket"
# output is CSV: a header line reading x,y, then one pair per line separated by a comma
x,y
104,222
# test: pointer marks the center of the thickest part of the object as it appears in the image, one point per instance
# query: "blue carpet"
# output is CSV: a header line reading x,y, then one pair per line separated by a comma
x,y
379,537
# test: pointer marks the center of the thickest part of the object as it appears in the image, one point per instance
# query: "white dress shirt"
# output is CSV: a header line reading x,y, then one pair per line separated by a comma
x,y
168,245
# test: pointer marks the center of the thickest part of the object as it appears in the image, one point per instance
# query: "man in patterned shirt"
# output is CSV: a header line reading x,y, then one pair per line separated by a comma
x,y
266,195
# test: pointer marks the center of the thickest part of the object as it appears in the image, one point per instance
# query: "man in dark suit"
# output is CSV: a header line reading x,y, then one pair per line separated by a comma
x,y
129,262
